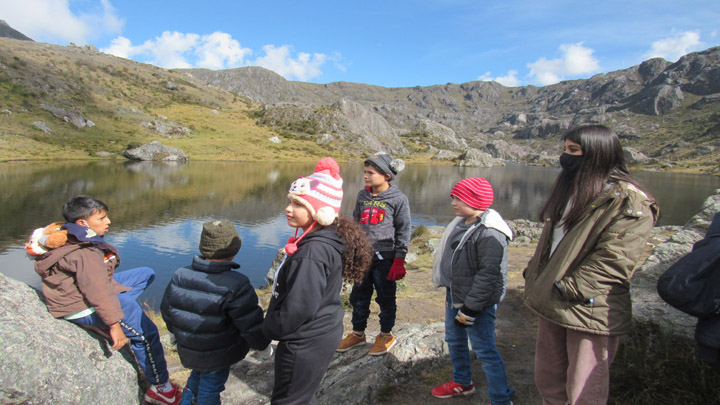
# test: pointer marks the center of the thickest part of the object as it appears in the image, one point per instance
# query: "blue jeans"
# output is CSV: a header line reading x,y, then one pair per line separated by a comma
x,y
204,387
361,295
139,329
482,338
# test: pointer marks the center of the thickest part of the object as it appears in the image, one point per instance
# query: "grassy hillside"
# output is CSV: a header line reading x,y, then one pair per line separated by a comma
x,y
120,97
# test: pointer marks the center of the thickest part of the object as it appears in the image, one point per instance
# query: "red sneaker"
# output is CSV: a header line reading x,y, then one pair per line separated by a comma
x,y
172,397
452,389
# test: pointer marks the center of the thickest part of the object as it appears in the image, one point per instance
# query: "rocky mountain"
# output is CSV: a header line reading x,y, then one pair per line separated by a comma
x,y
71,102
7,31
653,106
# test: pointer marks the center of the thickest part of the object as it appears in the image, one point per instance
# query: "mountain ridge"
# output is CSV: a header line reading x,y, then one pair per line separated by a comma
x,y
668,114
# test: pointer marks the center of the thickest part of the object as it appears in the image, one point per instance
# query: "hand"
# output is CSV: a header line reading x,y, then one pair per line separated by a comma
x,y
118,336
266,353
397,270
465,317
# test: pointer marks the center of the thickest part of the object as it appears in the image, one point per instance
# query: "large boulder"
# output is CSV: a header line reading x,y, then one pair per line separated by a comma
x,y
476,158
352,377
439,135
49,361
156,151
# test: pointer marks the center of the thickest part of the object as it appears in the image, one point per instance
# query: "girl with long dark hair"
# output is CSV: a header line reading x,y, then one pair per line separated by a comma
x,y
596,224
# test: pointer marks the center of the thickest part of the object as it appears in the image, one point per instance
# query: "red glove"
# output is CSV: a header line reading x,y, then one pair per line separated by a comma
x,y
397,270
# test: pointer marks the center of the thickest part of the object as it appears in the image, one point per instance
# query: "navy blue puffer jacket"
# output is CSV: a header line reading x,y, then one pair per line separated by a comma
x,y
214,314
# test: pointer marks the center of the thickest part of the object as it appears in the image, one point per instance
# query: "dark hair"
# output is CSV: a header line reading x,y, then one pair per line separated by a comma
x,y
358,252
602,162
81,207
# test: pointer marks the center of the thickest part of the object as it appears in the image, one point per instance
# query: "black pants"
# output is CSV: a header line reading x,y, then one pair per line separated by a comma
x,y
362,293
300,366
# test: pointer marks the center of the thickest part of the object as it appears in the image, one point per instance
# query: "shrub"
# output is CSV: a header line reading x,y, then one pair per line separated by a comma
x,y
655,367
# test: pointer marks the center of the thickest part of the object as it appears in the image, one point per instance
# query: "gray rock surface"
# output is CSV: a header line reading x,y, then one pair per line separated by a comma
x,y
156,151
42,127
647,305
49,361
439,136
476,158
72,117
353,377
166,128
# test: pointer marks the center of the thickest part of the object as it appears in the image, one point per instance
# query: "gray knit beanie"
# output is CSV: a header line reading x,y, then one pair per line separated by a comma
x,y
219,240
385,164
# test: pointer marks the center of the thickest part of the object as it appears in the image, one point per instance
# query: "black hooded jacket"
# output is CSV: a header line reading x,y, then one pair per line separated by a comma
x,y
692,285
306,294
214,314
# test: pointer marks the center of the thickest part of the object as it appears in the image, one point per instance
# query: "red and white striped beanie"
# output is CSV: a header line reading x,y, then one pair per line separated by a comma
x,y
321,192
475,192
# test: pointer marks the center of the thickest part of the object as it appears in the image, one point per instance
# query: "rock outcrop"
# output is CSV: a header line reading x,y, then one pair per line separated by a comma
x,y
72,117
647,305
157,152
50,361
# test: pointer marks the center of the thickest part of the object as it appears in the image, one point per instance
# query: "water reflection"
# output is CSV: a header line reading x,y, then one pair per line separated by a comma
x,y
158,209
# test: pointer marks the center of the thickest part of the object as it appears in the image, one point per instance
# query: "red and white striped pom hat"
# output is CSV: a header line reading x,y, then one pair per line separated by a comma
x,y
475,192
320,192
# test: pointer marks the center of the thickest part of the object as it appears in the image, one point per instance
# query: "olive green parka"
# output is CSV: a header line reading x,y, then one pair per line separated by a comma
x,y
585,284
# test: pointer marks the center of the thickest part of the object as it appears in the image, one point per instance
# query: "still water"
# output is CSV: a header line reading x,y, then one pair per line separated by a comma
x,y
157,210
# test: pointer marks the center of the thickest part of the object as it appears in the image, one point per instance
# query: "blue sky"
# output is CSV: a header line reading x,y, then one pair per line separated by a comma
x,y
399,43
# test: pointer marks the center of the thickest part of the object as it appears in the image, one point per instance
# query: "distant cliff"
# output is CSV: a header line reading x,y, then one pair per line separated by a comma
x,y
666,110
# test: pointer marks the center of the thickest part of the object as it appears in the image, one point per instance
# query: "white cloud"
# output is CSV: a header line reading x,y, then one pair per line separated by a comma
x,y
302,67
675,47
509,80
575,60
218,51
53,21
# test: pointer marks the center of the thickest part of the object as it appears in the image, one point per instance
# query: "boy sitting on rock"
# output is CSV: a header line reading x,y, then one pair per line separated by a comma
x,y
80,285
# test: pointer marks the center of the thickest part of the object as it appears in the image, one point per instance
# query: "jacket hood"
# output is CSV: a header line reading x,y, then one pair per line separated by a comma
x,y
327,236
44,262
390,193
492,219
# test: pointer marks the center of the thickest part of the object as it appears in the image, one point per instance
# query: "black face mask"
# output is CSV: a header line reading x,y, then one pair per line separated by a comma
x,y
570,163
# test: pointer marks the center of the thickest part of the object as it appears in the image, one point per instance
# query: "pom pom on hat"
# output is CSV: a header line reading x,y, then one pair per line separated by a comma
x,y
321,192
475,192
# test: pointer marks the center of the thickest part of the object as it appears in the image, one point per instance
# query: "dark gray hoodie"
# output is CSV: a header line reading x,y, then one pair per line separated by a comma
x,y
386,220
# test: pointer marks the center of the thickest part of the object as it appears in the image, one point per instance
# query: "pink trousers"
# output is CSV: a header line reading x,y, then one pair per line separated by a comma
x,y
573,367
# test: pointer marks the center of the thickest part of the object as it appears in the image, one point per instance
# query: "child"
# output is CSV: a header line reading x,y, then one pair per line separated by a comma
x,y
471,263
383,212
305,312
596,223
214,314
80,284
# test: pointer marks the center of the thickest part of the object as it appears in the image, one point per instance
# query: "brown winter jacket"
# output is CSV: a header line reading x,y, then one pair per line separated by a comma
x,y
78,276
585,284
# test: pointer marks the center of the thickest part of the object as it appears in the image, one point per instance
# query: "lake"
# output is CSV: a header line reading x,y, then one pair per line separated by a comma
x,y
157,210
